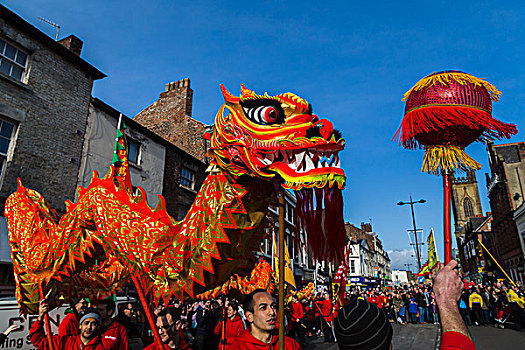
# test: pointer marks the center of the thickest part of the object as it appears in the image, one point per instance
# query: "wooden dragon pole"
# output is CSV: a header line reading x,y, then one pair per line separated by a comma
x,y
281,269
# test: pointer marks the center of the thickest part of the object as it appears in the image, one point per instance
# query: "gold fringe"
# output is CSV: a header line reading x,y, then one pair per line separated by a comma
x,y
461,78
439,159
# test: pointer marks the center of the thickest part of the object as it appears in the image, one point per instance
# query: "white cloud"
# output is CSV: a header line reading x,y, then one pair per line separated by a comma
x,y
400,257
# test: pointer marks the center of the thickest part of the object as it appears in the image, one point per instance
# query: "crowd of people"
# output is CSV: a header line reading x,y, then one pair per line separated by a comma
x,y
365,318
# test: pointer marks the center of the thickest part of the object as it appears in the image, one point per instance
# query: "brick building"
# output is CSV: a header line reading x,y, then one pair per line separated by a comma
x,y
171,117
45,89
505,187
475,262
379,261
466,202
156,165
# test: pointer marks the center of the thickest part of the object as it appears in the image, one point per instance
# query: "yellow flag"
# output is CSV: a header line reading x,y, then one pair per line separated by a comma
x,y
288,273
432,254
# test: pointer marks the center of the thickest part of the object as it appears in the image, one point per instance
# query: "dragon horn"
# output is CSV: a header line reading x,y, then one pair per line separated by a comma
x,y
228,97
246,92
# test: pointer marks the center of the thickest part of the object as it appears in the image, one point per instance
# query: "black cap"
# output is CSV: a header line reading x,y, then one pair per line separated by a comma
x,y
362,325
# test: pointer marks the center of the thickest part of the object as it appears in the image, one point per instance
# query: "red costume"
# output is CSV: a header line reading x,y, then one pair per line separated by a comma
x,y
248,342
456,341
326,310
115,337
63,342
234,328
69,325
297,311
311,312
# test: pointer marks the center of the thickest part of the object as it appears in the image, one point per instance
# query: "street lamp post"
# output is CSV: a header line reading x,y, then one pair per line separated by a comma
x,y
414,223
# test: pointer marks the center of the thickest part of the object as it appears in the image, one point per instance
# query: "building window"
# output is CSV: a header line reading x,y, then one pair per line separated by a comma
x,y
467,207
12,61
133,151
7,131
352,266
187,178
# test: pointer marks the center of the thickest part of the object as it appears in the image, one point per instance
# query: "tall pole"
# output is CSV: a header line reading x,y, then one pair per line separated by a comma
x,y
281,270
156,337
447,239
415,233
46,320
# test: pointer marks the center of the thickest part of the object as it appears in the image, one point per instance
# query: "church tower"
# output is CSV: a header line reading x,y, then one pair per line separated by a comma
x,y
466,202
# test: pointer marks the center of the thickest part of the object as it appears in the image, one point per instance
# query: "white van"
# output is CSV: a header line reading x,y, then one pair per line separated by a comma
x,y
19,338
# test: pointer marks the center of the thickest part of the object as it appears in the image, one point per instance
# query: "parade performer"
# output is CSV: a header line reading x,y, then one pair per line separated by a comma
x,y
114,335
70,325
168,323
327,316
297,316
260,309
88,339
230,327
444,113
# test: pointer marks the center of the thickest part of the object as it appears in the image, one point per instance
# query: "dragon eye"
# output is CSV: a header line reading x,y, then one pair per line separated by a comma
x,y
263,111
264,115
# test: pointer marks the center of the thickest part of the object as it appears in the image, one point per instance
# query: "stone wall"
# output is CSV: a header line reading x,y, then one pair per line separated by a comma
x,y
50,109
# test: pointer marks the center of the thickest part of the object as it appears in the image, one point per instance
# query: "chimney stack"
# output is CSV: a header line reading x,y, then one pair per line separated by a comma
x,y
73,44
180,89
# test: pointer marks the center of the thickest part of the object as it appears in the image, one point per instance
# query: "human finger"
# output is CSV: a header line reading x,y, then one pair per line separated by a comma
x,y
452,264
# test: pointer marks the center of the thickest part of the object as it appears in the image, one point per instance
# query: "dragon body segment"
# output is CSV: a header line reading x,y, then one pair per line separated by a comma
x,y
110,233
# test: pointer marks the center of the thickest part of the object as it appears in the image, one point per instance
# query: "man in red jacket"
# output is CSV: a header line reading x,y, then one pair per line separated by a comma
x,y
327,318
229,328
170,331
89,338
114,336
261,314
69,325
297,321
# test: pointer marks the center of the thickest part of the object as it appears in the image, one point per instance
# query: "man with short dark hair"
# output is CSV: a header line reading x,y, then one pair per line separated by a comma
x,y
88,339
327,314
297,315
260,311
170,330
70,325
114,336
128,318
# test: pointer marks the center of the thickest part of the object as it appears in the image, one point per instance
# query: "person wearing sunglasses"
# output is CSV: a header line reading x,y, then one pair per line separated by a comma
x,y
169,326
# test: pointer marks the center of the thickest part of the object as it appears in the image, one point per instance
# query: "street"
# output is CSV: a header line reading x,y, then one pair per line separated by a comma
x,y
488,337
425,337
408,337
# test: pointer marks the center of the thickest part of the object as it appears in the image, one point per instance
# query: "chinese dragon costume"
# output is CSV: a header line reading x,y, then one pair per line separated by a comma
x,y
259,143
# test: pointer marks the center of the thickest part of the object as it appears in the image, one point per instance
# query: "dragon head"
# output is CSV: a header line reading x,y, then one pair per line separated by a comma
x,y
264,136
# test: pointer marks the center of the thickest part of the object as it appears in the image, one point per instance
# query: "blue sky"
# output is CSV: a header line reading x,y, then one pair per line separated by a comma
x,y
353,61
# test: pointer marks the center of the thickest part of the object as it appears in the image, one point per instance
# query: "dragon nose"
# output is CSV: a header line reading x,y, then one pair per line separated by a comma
x,y
325,127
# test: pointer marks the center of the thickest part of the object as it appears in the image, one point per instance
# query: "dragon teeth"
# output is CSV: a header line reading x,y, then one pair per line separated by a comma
x,y
299,157
290,155
309,164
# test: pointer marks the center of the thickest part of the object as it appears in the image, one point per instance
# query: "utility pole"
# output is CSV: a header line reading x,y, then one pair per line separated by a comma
x,y
415,229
